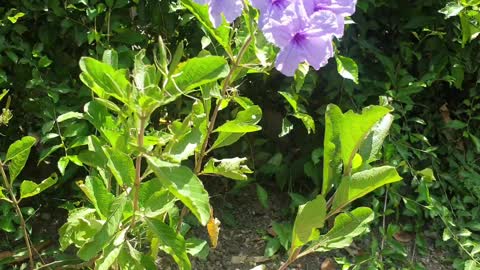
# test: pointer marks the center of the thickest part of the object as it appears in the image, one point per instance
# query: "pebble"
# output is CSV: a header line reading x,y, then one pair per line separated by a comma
x,y
238,259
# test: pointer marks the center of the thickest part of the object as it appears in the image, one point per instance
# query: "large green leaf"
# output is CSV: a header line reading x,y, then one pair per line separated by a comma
x,y
332,160
346,227
121,166
347,68
18,154
232,168
221,33
109,257
186,138
108,230
80,227
245,121
362,183
195,72
374,141
2,196
98,195
29,188
171,242
344,133
185,185
226,139
145,76
310,216
104,80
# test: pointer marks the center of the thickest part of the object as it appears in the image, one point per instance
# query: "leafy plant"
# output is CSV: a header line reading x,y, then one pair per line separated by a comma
x,y
15,161
6,114
352,141
134,206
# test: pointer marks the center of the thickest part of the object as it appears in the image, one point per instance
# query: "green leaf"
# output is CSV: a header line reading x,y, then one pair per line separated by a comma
x,y
198,248
456,124
104,80
476,142
307,121
13,19
2,196
121,166
347,68
427,175
310,216
287,126
110,57
374,141
272,247
109,257
29,188
3,94
244,122
471,265
69,115
221,33
185,140
18,154
344,134
345,228
291,100
170,242
80,227
233,168
44,62
451,9
262,196
226,139
185,185
362,183
233,130
98,195
195,72
145,76
108,230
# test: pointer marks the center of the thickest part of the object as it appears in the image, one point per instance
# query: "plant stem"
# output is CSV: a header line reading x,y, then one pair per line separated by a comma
x,y
226,84
384,223
213,119
19,213
138,166
291,259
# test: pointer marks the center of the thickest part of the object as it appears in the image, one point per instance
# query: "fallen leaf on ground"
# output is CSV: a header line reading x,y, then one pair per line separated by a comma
x,y
328,264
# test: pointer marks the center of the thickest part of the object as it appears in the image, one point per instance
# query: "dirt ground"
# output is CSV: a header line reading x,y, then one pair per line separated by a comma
x,y
245,223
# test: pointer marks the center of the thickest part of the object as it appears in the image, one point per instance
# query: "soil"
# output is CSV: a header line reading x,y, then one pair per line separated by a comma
x,y
245,223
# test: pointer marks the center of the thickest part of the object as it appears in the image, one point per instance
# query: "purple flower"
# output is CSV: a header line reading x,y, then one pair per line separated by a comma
x,y
230,9
341,8
270,9
302,38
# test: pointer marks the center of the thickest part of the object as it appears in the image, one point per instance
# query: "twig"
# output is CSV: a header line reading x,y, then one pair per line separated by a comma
x,y
226,84
20,215
384,225
138,167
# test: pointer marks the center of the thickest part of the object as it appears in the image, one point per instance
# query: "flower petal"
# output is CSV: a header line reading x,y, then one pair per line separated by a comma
x,y
231,9
318,50
288,60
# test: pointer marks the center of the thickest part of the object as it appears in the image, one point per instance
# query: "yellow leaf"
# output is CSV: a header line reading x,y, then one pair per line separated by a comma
x,y
213,228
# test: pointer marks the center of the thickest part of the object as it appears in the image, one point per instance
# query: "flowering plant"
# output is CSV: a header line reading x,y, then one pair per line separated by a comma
x,y
144,178
302,29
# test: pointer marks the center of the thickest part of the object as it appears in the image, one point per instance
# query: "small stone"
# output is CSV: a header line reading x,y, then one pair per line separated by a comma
x,y
238,259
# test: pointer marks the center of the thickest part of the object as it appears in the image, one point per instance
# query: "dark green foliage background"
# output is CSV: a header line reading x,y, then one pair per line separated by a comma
x,y
405,50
